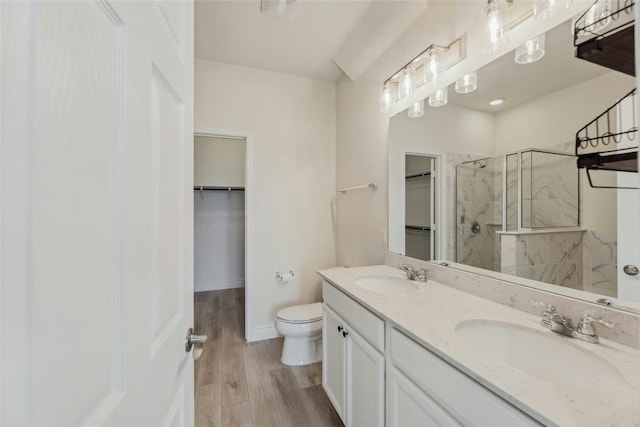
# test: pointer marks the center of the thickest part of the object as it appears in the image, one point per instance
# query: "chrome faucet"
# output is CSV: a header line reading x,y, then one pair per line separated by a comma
x,y
412,273
561,324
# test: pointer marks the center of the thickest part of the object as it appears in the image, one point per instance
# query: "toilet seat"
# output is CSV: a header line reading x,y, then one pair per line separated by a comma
x,y
298,314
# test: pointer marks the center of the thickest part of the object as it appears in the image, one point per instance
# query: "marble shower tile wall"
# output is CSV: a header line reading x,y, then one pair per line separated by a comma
x,y
550,190
502,290
600,259
477,195
555,258
452,160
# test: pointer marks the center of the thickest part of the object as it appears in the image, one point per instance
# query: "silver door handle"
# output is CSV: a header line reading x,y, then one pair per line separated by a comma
x,y
631,270
197,341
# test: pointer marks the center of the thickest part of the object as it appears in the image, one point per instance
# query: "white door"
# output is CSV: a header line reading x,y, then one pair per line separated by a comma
x,y
333,359
96,213
365,382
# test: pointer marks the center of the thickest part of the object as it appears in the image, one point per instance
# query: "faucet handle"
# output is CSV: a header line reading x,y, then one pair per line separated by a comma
x,y
585,325
421,275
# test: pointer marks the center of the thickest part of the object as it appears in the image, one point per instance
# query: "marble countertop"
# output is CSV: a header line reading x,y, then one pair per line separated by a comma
x,y
430,314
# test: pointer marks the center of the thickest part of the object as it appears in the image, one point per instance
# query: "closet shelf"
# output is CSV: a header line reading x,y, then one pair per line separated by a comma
x,y
418,175
417,227
209,188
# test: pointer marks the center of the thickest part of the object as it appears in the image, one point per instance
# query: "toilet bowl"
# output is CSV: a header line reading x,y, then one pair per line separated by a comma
x,y
301,326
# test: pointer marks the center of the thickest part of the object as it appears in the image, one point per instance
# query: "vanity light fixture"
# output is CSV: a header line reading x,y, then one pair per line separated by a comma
x,y
495,27
467,83
428,67
545,9
531,50
417,109
497,101
439,98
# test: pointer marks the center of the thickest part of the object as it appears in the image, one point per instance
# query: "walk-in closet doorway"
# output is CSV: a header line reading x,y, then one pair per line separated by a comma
x,y
221,213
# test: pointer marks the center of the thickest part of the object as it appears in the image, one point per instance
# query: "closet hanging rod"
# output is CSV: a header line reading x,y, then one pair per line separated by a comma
x,y
203,188
358,187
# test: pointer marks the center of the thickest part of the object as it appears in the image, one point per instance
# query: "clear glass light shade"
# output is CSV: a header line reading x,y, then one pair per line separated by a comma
x,y
386,98
545,9
467,83
439,98
417,109
495,27
433,69
531,50
597,16
407,82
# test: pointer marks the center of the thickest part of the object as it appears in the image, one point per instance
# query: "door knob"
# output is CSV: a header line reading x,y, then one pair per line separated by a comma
x,y
197,341
631,270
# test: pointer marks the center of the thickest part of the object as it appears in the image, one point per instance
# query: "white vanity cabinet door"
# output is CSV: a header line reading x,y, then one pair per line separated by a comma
x,y
333,360
365,382
410,406
465,399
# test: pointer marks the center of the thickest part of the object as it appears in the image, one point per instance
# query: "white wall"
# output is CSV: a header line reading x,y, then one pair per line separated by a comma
x,y
290,187
362,129
218,162
555,118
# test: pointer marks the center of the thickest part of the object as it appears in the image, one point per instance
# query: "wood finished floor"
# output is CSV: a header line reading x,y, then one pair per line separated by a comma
x,y
244,384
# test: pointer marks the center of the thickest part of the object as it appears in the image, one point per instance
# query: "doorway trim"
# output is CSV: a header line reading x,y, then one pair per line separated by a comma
x,y
248,216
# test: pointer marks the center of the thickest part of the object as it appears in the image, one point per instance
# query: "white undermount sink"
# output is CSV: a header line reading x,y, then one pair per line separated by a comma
x,y
539,353
386,285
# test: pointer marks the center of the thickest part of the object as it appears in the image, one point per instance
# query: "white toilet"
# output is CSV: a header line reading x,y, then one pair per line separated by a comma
x,y
301,326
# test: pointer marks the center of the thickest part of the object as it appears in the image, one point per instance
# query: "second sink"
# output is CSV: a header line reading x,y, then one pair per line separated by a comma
x,y
539,353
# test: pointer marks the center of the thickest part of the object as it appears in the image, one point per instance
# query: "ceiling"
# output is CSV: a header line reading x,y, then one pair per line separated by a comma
x,y
518,83
325,40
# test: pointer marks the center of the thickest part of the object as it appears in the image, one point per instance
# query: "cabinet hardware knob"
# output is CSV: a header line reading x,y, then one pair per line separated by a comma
x,y
340,328
345,333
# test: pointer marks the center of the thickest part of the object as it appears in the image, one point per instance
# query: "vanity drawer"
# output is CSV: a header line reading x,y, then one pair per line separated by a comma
x,y
370,326
466,400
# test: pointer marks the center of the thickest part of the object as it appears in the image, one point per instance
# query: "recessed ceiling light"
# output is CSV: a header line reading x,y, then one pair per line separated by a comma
x,y
496,101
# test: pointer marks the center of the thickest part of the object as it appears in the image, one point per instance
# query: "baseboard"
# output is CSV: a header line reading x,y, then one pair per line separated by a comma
x,y
217,286
264,332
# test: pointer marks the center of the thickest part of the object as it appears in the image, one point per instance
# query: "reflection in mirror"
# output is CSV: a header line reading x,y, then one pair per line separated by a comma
x,y
513,199
419,209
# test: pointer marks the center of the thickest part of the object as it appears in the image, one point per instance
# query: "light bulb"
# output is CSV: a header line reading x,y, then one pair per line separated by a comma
x,y
495,28
531,51
386,97
439,98
467,83
417,109
407,81
433,71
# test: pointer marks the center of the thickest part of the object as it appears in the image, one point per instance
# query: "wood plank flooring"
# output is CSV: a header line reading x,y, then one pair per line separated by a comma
x,y
244,384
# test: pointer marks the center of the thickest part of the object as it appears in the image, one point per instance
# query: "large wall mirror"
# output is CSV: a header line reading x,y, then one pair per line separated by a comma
x,y
512,198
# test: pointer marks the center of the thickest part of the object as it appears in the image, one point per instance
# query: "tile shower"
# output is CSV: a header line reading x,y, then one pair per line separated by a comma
x,y
520,214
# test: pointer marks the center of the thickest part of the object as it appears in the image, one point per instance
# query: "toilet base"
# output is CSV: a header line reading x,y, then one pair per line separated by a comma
x,y
301,351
